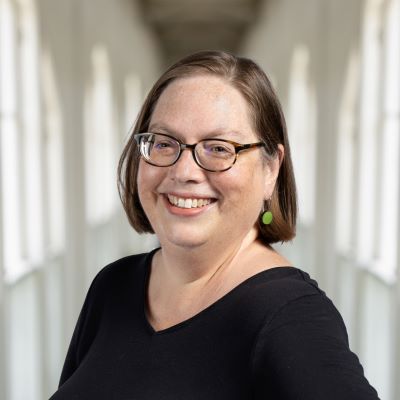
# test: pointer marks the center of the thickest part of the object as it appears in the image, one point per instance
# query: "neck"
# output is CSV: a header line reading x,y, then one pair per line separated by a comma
x,y
202,264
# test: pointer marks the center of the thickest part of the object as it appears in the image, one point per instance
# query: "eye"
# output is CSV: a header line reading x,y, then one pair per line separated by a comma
x,y
218,149
164,145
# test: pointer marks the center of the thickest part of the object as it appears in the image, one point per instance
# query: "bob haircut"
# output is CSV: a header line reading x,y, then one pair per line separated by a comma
x,y
268,122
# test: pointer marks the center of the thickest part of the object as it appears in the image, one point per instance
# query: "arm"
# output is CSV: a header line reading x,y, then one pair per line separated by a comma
x,y
84,334
303,353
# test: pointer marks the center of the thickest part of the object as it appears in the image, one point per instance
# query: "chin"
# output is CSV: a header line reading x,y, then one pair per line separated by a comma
x,y
186,240
188,234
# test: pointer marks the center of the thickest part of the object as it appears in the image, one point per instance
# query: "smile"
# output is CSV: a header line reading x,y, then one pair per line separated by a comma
x,y
188,202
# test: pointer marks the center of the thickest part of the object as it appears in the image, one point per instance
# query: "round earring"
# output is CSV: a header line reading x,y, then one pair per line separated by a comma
x,y
266,217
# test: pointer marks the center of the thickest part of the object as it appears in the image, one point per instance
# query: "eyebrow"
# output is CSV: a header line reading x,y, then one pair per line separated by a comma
x,y
216,133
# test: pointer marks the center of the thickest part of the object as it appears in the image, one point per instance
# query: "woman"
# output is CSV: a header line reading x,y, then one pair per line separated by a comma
x,y
216,312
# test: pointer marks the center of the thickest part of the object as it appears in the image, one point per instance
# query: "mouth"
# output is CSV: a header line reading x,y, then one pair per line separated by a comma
x,y
187,202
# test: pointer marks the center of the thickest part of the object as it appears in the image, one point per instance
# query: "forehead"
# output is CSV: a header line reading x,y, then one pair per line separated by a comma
x,y
200,105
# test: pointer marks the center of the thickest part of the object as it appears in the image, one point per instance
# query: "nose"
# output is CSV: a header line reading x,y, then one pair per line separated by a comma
x,y
186,169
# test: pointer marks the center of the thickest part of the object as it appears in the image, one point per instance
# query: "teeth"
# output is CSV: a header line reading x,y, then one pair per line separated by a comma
x,y
188,203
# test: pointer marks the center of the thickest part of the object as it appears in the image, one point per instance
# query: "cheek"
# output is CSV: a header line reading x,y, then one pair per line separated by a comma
x,y
146,180
148,176
143,171
242,187
141,179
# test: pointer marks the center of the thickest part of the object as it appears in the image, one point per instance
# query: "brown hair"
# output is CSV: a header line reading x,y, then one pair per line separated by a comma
x,y
269,124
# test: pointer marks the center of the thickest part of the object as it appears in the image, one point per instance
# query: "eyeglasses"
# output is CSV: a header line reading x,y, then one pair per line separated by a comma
x,y
214,155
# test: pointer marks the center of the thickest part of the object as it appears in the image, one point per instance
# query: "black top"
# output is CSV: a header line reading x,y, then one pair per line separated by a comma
x,y
276,336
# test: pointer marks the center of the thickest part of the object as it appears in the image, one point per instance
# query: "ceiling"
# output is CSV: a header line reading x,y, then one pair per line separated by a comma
x,y
185,26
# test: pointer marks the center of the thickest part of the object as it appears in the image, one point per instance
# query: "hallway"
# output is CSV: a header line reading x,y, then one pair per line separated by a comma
x,y
73,75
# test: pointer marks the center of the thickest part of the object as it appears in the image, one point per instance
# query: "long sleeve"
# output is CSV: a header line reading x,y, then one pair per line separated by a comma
x,y
84,334
302,352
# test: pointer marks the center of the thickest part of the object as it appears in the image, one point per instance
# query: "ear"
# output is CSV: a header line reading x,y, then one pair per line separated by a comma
x,y
272,171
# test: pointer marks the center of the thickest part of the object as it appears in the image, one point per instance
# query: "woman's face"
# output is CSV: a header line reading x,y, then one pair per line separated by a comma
x,y
228,203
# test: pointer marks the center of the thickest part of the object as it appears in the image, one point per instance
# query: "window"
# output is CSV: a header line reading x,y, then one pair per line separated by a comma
x,y
379,140
390,144
53,159
10,166
100,141
301,125
20,166
345,173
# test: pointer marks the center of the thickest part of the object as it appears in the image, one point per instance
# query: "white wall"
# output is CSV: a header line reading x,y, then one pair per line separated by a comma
x,y
329,76
80,69
95,60
97,48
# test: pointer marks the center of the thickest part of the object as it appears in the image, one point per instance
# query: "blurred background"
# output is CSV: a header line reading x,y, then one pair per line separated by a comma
x,y
73,75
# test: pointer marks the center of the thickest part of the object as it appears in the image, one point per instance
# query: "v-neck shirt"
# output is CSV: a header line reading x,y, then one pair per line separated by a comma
x,y
274,336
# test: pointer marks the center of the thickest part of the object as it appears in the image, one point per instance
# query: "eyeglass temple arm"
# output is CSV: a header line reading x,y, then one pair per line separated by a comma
x,y
248,146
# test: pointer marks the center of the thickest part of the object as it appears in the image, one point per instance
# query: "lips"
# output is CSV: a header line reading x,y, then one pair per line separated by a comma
x,y
187,202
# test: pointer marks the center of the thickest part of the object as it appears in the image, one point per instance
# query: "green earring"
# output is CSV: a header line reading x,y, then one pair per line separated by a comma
x,y
267,217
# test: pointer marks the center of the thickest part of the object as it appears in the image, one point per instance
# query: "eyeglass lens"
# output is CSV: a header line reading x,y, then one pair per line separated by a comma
x,y
211,154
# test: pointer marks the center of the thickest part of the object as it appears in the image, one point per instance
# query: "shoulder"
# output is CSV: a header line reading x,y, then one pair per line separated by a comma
x,y
283,296
126,271
128,265
289,302
301,346
288,292
274,289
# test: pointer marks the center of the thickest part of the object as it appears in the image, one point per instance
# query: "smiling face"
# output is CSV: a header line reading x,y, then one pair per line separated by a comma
x,y
186,205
